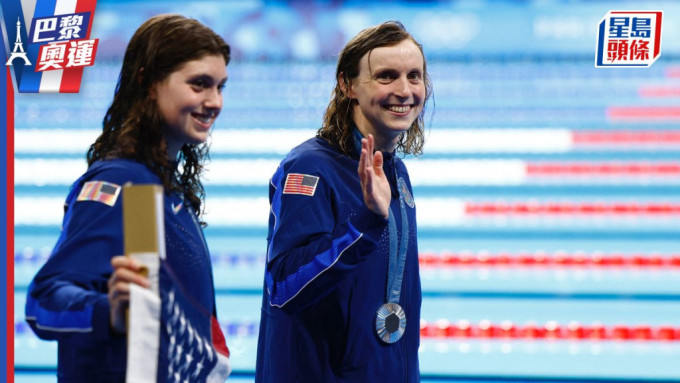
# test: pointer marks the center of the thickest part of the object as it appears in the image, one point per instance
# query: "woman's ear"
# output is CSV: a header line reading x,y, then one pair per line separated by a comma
x,y
346,86
152,89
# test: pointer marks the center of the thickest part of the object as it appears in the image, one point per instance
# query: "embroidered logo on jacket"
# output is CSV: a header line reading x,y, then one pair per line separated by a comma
x,y
300,184
99,191
405,193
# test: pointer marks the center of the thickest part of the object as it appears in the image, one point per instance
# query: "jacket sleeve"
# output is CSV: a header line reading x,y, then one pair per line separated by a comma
x,y
310,251
67,299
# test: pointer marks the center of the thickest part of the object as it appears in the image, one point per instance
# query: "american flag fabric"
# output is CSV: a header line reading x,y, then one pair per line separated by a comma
x,y
171,339
99,191
304,184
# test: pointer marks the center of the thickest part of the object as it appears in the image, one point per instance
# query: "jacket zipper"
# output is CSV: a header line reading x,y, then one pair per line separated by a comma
x,y
190,210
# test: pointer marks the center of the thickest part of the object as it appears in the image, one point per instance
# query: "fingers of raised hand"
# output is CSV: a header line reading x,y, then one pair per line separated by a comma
x,y
361,170
378,163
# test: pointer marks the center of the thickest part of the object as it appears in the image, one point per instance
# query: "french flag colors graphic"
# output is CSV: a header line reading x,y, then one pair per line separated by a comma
x,y
49,43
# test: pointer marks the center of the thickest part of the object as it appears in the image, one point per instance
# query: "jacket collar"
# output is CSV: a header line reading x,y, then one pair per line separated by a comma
x,y
357,146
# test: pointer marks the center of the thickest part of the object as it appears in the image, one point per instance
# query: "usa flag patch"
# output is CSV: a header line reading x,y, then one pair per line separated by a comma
x,y
300,184
99,191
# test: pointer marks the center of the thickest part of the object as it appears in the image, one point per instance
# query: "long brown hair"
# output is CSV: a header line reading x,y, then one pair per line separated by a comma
x,y
133,127
338,118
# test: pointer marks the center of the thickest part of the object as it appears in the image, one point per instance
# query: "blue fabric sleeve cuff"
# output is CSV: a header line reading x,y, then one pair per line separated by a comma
x,y
370,224
101,320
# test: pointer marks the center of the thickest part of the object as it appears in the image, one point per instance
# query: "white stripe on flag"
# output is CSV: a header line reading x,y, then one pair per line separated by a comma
x,y
64,7
143,345
221,371
50,82
28,7
51,79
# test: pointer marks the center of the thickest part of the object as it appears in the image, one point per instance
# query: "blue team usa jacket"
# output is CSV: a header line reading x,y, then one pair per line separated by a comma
x,y
67,299
326,274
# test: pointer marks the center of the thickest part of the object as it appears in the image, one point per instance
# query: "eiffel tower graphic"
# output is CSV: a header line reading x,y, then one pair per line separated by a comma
x,y
18,51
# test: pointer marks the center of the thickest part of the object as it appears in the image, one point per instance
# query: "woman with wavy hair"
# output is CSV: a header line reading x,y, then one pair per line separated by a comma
x,y
342,287
168,96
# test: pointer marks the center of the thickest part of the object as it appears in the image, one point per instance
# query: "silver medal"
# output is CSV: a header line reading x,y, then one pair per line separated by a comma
x,y
390,322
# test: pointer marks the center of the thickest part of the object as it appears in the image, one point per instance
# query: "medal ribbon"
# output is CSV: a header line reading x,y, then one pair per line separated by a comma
x,y
395,273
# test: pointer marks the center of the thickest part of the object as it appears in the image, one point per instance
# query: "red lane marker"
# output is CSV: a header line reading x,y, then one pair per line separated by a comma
x,y
659,91
643,113
657,137
543,259
550,208
673,71
604,169
485,329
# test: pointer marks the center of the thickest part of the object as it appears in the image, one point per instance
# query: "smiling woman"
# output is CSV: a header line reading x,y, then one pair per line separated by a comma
x,y
189,100
342,288
168,96
389,92
355,64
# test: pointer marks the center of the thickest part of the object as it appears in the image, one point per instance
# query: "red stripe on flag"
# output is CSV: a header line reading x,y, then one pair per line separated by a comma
x,y
92,190
294,184
87,6
72,77
218,341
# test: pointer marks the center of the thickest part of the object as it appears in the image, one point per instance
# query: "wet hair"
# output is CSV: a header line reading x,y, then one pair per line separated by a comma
x,y
338,118
133,127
